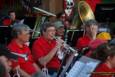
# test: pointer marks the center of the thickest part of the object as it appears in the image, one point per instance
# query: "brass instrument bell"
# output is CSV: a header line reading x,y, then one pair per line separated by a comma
x,y
85,13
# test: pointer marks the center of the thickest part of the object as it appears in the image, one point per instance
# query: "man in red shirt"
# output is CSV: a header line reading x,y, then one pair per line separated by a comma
x,y
89,38
45,48
12,17
90,32
21,35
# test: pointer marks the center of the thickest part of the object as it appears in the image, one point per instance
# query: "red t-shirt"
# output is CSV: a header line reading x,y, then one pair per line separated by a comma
x,y
87,42
25,65
103,68
83,42
41,48
94,44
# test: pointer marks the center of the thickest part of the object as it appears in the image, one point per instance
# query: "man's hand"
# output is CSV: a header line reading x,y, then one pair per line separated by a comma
x,y
60,42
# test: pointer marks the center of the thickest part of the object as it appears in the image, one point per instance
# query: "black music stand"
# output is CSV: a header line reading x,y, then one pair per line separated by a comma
x,y
73,36
105,12
5,34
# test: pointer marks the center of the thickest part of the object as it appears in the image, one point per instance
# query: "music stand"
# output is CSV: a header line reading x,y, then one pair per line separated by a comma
x,y
83,67
105,12
5,34
73,36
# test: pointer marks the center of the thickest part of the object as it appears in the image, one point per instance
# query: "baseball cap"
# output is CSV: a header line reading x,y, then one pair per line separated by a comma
x,y
104,36
58,24
4,51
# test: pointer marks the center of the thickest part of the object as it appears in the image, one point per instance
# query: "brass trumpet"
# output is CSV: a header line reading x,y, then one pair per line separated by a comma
x,y
66,46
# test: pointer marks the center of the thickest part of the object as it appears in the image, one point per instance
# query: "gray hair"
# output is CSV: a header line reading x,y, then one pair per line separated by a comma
x,y
18,28
91,22
45,26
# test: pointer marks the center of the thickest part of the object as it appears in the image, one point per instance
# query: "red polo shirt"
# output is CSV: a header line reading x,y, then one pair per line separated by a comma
x,y
25,65
83,42
87,42
103,68
41,48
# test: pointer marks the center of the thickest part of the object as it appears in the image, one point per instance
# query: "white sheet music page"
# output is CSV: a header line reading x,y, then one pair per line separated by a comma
x,y
89,67
83,67
76,69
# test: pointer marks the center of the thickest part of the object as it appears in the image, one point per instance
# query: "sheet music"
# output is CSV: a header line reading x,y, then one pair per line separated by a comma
x,y
76,69
89,67
83,67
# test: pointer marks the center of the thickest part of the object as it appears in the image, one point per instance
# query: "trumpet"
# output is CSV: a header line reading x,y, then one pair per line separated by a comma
x,y
66,46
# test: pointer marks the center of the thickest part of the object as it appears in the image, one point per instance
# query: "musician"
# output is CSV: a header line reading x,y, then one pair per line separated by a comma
x,y
21,35
60,31
61,16
89,37
13,18
106,54
5,61
59,28
45,49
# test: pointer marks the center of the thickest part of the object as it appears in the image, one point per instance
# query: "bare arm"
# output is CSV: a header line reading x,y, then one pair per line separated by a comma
x,y
21,72
44,60
47,58
36,66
